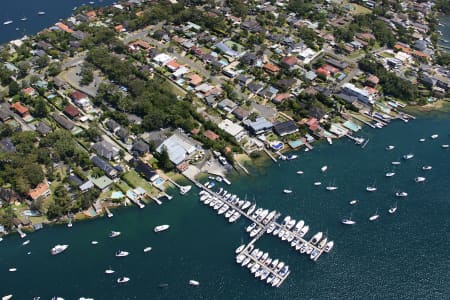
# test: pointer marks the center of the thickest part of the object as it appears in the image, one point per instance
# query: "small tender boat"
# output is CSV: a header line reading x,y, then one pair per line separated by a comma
x,y
444,146
26,243
419,179
349,221
408,156
331,188
123,279
371,189
94,242
374,217
12,269
324,168
401,194
395,163
390,147
390,174
122,253
147,249
317,183
287,191
194,282
114,234
427,168
41,13
299,172
353,202
435,136
161,228
422,140
109,271
392,209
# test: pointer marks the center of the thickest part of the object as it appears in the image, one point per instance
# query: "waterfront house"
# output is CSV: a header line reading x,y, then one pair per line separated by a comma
x,y
144,170
362,95
285,128
106,150
231,128
41,190
104,166
178,146
102,183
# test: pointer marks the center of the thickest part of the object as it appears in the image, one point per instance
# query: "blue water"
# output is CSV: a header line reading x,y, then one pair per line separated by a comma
x,y
400,256
54,11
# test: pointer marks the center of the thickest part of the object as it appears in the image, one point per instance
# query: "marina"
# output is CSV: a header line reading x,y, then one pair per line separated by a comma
x,y
264,222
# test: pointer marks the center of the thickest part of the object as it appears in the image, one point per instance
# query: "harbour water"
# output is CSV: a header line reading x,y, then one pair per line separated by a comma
x,y
399,256
54,11
444,27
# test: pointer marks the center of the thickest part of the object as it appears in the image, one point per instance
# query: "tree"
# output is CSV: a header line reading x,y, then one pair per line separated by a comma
x,y
40,109
42,61
13,88
23,67
54,69
164,160
87,74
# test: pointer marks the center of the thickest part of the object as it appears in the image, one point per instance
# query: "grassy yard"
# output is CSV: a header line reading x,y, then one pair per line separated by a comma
x,y
133,179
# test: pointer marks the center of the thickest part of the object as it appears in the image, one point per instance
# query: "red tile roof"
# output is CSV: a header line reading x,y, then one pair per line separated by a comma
x,y
77,95
289,60
271,68
64,27
19,108
211,135
71,111
38,191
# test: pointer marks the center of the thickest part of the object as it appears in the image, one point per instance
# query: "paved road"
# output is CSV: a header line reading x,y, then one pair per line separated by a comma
x,y
74,61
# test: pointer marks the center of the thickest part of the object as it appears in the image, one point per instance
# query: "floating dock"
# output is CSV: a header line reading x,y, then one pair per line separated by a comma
x,y
265,224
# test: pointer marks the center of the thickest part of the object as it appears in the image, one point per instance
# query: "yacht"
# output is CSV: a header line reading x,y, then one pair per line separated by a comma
x,y
324,168
390,174
280,265
395,163
322,243
114,234
374,217
219,179
444,146
271,228
246,205
276,281
274,263
331,188
349,221
286,191
7,22
353,202
276,231
304,231
299,225
299,172
255,231
401,194
246,261
264,256
254,268
284,270
309,249
390,147
427,168
286,220
264,275
147,249
58,249
290,224
285,235
317,183
240,258
229,213
223,209
422,140
371,189
234,217
251,209
408,156
7,297
109,271
121,253
123,279
316,238
269,216
329,246
419,179
292,156
239,249
194,282
314,254
270,278
295,242
161,228
435,136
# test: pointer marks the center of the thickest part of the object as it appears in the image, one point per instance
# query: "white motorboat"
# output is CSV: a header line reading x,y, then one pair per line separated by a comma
x,y
392,209
314,254
41,13
395,163
269,216
276,281
408,156
324,168
390,147
109,271
254,268
229,213
287,191
316,238
255,231
299,225
276,231
371,189
271,228
234,217
123,279
7,22
291,223
322,243
353,202
264,256
329,246
285,236
331,188
317,183
194,282
348,221
427,168
114,234
246,261
419,179
401,194
147,249
240,258
7,297
434,136
240,248
26,243
121,253
390,174
94,242
444,146
374,217
161,228
246,205
309,249
251,209
304,231
12,269
274,263
223,209
58,249
422,140
299,172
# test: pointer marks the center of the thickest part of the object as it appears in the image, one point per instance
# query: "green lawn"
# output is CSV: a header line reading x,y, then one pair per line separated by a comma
x,y
133,179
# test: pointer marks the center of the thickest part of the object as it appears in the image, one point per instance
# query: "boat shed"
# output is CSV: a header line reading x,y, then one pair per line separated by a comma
x,y
285,128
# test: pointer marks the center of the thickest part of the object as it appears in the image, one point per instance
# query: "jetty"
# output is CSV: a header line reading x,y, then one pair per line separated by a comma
x,y
270,155
263,222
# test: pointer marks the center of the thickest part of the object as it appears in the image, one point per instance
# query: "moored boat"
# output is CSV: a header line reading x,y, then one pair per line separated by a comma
x,y
324,168
374,217
331,188
390,147
371,188
408,156
395,163
348,221
109,271
114,234
419,179
390,174
299,172
444,146
161,228
194,282
287,191
58,249
353,202
121,253
123,279
316,238
147,249
329,246
401,194
427,168
434,136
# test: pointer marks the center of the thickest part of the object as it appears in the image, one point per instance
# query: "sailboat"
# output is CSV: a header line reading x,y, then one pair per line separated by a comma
x,y
348,221
371,188
374,217
331,187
